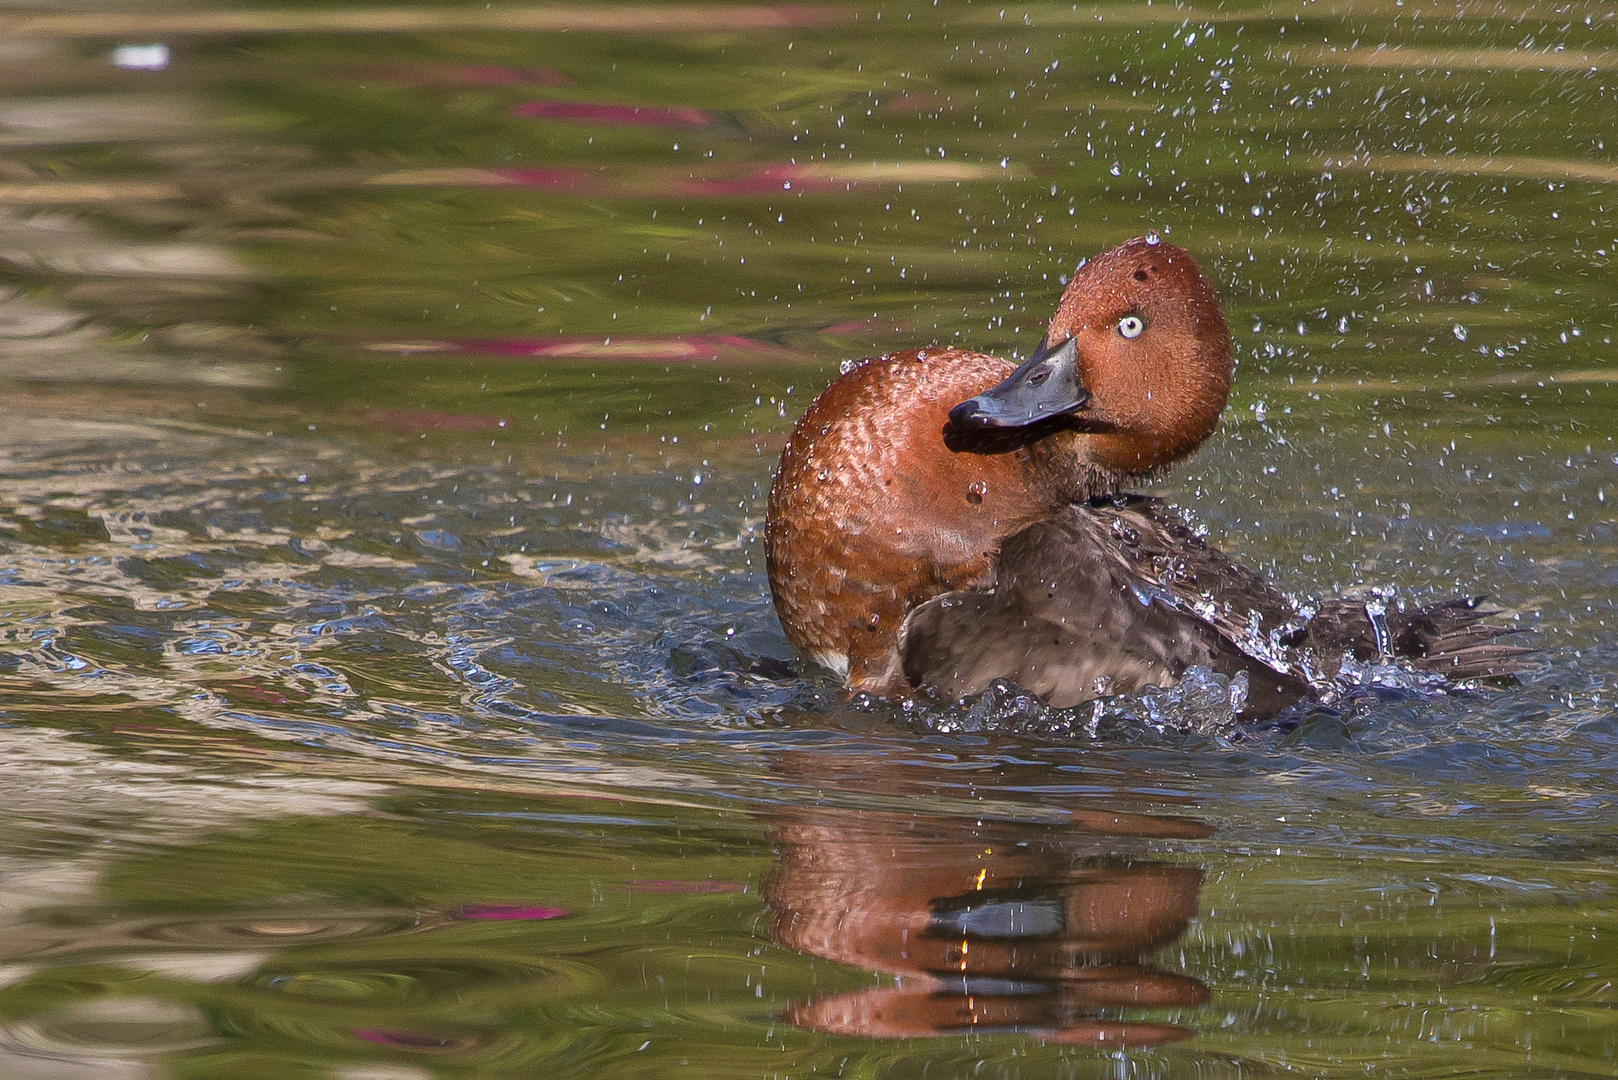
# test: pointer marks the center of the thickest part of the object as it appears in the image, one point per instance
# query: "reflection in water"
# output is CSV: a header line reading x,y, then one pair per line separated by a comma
x,y
989,926
109,1038
587,112
679,347
782,178
387,684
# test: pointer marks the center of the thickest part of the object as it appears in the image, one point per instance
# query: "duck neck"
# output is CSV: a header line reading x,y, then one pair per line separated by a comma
x,y
1065,473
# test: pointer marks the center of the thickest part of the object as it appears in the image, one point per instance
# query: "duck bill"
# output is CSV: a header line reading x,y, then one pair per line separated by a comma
x,y
1045,387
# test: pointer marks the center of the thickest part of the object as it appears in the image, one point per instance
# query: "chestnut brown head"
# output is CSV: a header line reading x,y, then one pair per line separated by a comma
x,y
1136,362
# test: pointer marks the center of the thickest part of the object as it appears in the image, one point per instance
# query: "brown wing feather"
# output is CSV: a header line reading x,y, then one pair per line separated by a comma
x,y
1451,637
1116,595
1071,616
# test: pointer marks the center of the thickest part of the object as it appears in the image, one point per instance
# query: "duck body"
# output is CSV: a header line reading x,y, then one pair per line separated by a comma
x,y
859,535
944,518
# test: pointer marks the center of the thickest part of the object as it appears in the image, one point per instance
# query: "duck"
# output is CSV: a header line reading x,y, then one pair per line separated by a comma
x,y
943,518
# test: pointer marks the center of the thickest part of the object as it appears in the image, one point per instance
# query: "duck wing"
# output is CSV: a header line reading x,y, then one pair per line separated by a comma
x,y
1101,598
1158,546
1452,637
1116,595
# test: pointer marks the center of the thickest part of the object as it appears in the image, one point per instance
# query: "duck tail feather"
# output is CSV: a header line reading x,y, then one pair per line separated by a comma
x,y
1491,661
1455,639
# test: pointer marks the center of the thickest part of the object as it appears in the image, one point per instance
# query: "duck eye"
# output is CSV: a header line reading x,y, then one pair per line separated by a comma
x,y
1130,326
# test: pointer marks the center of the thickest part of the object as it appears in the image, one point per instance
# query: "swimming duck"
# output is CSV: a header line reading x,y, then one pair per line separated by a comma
x,y
942,518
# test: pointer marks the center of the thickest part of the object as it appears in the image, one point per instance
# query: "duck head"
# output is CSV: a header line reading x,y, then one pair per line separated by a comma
x,y
1130,377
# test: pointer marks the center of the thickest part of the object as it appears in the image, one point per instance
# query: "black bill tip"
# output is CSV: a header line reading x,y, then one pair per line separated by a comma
x,y
1045,387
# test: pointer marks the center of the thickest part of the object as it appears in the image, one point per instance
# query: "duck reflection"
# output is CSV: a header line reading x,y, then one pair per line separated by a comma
x,y
987,926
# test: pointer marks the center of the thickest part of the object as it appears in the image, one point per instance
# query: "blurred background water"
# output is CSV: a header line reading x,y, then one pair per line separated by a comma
x,y
389,682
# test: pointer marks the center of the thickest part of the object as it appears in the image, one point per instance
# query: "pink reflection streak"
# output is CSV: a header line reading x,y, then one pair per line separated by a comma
x,y
586,112
511,912
411,1040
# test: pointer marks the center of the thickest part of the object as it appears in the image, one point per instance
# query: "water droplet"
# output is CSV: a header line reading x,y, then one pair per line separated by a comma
x,y
975,492
823,475
1459,331
1153,238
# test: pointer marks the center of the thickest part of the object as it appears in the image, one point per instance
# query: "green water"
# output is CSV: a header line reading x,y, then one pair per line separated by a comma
x,y
389,683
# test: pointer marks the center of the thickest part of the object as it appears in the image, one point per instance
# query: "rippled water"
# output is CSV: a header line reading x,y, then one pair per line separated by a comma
x,y
388,678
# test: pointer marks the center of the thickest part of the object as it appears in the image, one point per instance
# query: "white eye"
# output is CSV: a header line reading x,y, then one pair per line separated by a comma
x,y
1130,326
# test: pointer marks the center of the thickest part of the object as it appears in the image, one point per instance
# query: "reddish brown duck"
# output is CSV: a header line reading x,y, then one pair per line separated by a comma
x,y
942,518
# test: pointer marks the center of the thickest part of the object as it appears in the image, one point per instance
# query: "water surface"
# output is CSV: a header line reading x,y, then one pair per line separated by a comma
x,y
389,680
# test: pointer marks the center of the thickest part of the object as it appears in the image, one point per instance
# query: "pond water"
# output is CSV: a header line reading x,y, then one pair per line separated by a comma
x,y
389,685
